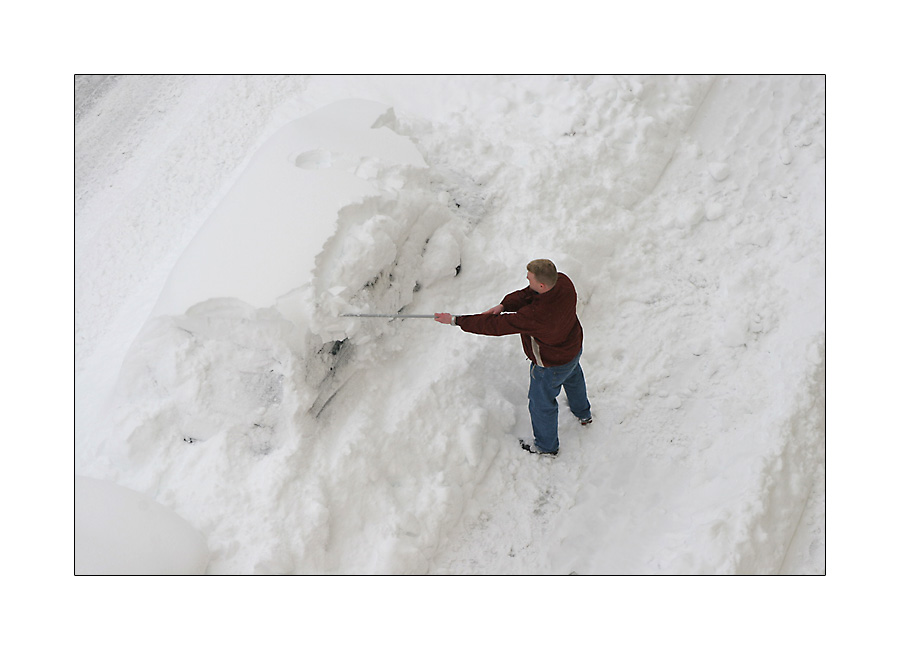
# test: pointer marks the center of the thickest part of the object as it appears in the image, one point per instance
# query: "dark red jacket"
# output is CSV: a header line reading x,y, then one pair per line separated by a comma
x,y
551,333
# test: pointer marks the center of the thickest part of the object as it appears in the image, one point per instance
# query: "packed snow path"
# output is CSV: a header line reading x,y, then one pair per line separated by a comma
x,y
690,214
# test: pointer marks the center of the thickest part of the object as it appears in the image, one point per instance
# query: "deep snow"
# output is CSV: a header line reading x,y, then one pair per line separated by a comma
x,y
215,375
119,531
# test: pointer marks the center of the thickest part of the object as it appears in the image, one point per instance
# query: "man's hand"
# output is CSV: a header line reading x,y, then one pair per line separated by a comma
x,y
446,319
493,310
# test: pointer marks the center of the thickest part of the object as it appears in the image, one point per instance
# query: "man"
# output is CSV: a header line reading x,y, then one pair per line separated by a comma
x,y
543,314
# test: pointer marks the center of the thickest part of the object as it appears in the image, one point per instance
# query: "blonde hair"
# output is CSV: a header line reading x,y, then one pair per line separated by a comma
x,y
544,271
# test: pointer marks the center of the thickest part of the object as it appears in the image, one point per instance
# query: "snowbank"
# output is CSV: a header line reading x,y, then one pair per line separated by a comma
x,y
121,532
690,214
262,239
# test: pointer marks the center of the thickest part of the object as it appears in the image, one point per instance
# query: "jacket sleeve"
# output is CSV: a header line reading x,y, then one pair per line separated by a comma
x,y
517,299
499,324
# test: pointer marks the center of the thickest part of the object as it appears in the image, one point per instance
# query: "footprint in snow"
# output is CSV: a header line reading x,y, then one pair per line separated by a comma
x,y
315,159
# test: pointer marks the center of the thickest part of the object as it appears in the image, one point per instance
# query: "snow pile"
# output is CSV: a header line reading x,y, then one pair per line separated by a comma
x,y
262,239
121,531
689,212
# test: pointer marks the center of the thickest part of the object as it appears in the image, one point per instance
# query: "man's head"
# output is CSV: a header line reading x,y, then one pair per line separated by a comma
x,y
541,275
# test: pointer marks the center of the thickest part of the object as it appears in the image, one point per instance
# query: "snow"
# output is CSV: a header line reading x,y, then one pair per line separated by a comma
x,y
223,224
119,531
262,239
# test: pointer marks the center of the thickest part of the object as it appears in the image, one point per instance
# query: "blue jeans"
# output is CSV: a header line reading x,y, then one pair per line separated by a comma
x,y
542,404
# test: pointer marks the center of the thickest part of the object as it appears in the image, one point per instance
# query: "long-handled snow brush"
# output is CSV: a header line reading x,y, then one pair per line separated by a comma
x,y
431,316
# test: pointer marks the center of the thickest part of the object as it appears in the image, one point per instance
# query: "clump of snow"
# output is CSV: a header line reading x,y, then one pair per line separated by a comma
x,y
300,441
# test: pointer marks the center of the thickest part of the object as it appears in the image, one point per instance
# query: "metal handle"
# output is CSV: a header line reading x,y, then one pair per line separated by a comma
x,y
387,316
